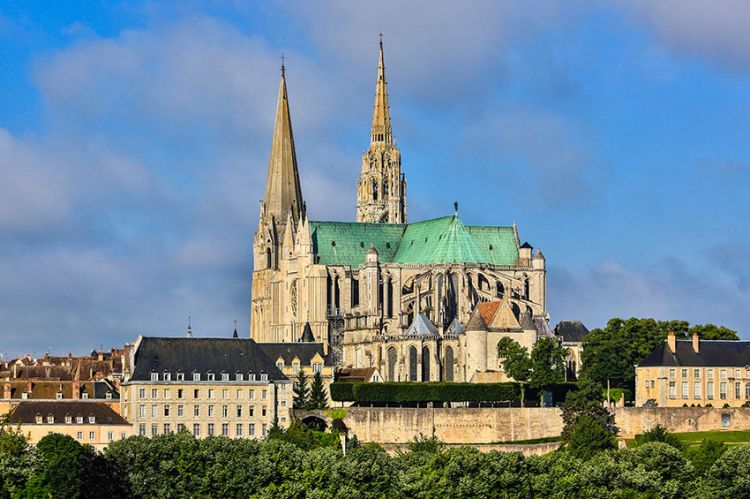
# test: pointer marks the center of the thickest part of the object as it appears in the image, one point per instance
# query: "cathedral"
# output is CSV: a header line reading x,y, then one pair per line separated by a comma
x,y
420,301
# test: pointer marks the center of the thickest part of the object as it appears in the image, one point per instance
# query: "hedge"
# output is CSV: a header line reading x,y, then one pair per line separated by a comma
x,y
425,392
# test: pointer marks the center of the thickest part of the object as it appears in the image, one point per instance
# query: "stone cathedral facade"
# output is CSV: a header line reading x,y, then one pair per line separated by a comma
x,y
422,301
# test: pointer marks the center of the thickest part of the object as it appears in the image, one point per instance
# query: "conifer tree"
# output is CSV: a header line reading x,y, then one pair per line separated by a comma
x,y
301,391
318,395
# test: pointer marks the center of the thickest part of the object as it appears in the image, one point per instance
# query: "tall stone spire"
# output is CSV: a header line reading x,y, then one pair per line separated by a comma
x,y
381,188
283,194
381,116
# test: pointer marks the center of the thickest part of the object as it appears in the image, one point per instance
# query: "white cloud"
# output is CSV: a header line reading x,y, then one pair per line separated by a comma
x,y
667,289
717,30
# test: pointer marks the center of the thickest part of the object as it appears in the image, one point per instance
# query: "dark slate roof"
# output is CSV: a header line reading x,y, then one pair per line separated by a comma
x,y
307,334
102,387
27,411
201,355
288,351
527,245
571,331
711,353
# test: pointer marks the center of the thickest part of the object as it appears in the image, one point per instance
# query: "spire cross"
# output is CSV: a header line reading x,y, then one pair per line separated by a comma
x,y
282,63
381,38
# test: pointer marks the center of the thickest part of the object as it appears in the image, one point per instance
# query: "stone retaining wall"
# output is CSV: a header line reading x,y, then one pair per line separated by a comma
x,y
635,420
484,426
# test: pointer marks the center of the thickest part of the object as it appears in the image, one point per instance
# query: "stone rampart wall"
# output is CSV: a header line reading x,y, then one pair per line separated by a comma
x,y
635,420
475,426
454,425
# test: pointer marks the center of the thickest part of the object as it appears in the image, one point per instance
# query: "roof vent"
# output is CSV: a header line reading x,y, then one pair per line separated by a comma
x,y
333,243
388,245
490,247
361,244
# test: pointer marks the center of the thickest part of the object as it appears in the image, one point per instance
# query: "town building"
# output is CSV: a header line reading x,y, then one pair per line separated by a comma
x,y
305,356
571,335
92,423
89,377
207,386
381,292
694,372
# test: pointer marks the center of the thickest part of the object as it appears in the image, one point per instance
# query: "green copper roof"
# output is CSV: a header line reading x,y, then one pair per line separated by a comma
x,y
343,243
441,240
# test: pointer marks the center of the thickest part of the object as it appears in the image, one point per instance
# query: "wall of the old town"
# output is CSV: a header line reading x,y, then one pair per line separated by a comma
x,y
635,420
474,426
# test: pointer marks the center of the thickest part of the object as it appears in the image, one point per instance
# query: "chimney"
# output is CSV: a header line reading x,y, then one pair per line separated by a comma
x,y
696,343
672,341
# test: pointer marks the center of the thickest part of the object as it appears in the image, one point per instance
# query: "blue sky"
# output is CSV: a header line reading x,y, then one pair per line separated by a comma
x,y
134,139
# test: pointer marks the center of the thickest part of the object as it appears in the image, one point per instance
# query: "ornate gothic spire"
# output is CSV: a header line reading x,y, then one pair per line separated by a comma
x,y
381,117
283,196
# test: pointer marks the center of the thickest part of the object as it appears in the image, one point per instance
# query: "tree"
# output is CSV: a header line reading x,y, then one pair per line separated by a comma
x,y
587,401
516,362
547,363
17,461
63,470
659,434
705,455
588,436
730,474
318,395
713,332
301,391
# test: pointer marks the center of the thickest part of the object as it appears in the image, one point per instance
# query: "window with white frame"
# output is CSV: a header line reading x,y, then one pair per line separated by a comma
x,y
240,377
167,376
317,367
154,376
196,376
92,419
264,377
672,390
211,376
225,376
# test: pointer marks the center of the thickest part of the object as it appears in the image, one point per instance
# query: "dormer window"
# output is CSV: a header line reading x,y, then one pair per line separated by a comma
x,y
85,396
295,367
79,419
109,396
280,365
240,377
24,396
68,419
211,376
225,376
58,396
154,376
180,376
39,419
196,376
50,419
317,367
251,377
92,419
167,376
263,377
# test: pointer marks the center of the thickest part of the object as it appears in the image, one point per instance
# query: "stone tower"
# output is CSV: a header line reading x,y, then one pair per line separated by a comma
x,y
381,188
282,202
281,211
